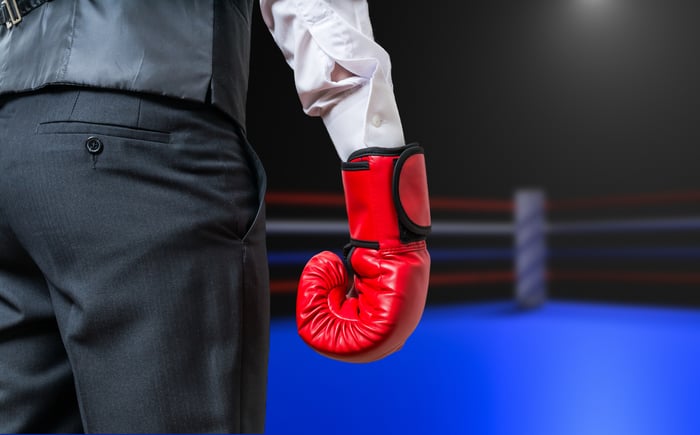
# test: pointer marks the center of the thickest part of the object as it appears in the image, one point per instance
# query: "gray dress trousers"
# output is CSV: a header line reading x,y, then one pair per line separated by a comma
x,y
133,272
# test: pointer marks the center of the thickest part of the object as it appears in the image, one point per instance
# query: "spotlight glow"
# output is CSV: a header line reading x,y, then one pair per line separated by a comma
x,y
593,3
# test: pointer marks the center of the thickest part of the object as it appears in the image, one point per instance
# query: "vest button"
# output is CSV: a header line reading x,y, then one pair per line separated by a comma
x,y
94,145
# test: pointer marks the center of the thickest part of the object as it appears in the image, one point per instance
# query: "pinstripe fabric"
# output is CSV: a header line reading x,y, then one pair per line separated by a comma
x,y
133,279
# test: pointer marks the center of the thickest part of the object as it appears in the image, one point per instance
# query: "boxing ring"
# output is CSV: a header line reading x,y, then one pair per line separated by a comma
x,y
533,364
526,225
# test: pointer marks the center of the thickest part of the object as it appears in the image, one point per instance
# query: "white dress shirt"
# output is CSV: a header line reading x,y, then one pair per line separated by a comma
x,y
341,73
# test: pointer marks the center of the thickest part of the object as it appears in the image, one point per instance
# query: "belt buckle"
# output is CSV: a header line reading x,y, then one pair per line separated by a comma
x,y
12,12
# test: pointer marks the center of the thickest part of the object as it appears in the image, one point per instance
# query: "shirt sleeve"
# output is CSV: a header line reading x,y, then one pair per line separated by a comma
x,y
341,73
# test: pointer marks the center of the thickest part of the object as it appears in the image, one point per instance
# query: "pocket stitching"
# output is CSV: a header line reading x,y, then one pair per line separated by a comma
x,y
119,131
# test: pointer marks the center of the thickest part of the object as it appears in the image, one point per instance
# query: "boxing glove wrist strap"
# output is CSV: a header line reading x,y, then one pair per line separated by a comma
x,y
386,196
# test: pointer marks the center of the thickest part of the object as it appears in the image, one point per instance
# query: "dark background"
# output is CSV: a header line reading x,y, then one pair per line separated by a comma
x,y
578,97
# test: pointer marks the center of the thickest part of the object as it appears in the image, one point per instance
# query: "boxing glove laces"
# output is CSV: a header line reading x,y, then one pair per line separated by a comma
x,y
365,308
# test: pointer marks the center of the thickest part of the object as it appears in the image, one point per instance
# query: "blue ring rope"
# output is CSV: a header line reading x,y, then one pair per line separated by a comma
x,y
290,258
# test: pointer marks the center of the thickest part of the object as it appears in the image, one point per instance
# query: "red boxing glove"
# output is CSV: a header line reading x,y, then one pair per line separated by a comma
x,y
366,308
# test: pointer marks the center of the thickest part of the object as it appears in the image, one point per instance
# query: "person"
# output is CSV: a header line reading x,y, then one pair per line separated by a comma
x,y
133,271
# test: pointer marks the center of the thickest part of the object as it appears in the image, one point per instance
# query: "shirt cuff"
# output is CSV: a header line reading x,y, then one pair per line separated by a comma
x,y
366,117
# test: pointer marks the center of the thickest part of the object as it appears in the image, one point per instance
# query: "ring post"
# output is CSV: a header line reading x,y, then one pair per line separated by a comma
x,y
530,248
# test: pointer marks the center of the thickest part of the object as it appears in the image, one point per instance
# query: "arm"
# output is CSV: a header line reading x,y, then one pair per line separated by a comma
x,y
365,308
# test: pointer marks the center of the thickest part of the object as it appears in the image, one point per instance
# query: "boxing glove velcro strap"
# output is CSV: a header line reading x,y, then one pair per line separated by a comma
x,y
410,190
386,195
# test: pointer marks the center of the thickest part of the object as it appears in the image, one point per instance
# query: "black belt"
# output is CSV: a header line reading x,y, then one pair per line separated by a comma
x,y
12,11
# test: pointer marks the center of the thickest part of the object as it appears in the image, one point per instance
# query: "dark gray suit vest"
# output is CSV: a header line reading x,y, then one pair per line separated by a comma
x,y
191,49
